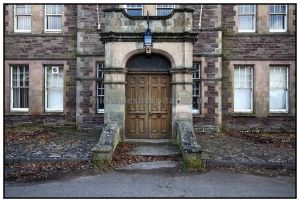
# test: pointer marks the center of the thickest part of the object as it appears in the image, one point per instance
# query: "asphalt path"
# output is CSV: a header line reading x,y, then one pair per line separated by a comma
x,y
215,183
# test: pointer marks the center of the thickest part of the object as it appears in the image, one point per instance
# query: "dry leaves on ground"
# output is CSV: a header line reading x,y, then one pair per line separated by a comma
x,y
120,158
277,139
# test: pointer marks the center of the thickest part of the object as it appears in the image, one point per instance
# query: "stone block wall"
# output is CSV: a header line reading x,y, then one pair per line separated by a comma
x,y
90,51
260,50
218,48
207,51
37,49
259,47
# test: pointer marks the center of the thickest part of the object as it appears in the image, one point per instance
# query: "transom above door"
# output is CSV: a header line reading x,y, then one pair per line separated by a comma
x,y
148,108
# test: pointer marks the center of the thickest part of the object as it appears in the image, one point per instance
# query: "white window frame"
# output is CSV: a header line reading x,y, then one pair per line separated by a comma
x,y
133,8
285,19
45,21
46,89
247,14
97,86
16,24
196,111
251,97
287,91
164,6
12,109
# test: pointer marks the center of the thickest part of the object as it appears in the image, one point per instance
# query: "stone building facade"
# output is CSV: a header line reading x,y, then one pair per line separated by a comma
x,y
237,61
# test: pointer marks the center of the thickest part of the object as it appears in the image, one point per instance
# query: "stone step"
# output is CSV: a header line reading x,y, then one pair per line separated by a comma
x,y
152,166
150,141
154,150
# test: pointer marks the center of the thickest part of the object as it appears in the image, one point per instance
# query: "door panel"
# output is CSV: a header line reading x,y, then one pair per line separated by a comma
x,y
147,106
137,109
159,107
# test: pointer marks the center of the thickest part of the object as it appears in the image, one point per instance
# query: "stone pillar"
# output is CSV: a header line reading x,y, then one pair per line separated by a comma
x,y
115,84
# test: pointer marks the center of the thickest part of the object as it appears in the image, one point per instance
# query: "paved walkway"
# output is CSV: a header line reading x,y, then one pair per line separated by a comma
x,y
216,183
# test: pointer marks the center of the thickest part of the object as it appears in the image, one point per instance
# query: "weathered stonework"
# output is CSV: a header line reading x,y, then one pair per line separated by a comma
x,y
216,45
90,51
37,49
187,143
261,118
260,49
37,92
108,142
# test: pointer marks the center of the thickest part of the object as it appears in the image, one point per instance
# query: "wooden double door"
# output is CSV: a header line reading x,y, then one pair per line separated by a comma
x,y
148,106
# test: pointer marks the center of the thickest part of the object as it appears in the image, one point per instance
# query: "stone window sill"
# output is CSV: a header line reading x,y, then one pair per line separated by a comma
x,y
28,114
243,115
17,113
53,113
198,116
280,115
255,34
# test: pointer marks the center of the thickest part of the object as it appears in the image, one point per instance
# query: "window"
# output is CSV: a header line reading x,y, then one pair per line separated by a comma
x,y
164,9
196,88
246,18
278,89
278,18
134,9
53,18
100,88
243,89
22,18
19,87
54,88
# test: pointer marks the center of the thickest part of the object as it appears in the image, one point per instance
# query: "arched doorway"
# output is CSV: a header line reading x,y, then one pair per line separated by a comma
x,y
148,94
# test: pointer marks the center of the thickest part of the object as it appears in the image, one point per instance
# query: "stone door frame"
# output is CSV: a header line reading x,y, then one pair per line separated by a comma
x,y
180,55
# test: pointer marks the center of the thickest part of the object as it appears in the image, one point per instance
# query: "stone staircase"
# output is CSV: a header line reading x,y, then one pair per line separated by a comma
x,y
156,151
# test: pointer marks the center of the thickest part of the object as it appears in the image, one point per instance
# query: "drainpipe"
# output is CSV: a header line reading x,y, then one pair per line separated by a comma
x,y
200,16
98,20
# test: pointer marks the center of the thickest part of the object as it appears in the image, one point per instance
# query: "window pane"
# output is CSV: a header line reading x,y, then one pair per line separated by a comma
x,y
246,9
134,12
23,17
54,22
100,96
246,22
278,99
278,88
195,103
100,74
277,22
196,73
164,11
242,99
20,86
55,98
134,6
54,9
278,17
23,9
283,9
54,88
243,79
100,102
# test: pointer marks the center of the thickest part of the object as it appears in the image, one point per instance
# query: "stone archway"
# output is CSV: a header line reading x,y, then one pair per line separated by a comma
x,y
117,55
148,94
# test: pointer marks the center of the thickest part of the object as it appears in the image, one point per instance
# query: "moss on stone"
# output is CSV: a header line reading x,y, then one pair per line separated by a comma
x,y
193,164
103,165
